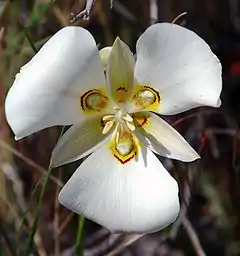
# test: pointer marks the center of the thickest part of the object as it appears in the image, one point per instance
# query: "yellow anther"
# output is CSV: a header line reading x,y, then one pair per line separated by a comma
x,y
117,137
108,117
131,126
107,127
128,118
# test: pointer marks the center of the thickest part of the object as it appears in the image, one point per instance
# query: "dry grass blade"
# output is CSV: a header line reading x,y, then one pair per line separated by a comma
x,y
34,228
178,17
127,240
1,34
193,236
30,162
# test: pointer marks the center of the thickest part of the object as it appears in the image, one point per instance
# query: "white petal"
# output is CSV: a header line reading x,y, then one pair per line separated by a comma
x,y
139,196
79,141
120,72
47,90
163,139
180,66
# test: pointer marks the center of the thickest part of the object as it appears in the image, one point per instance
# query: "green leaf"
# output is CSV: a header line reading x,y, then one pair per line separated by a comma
x,y
3,6
23,218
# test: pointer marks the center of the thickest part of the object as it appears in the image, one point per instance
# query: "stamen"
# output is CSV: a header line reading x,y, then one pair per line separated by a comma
x,y
108,117
117,136
107,127
121,119
128,118
118,133
131,126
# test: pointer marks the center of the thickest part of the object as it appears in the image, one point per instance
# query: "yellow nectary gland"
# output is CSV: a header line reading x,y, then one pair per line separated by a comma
x,y
125,144
145,96
124,148
93,100
121,94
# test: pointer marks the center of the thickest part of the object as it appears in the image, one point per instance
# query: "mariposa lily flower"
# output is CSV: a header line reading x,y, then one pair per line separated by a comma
x,y
121,185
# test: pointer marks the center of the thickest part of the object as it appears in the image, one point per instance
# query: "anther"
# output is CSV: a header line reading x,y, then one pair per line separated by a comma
x,y
128,118
131,126
107,127
117,137
107,117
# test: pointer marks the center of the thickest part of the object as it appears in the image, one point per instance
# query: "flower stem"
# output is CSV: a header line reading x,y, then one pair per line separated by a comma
x,y
30,241
79,241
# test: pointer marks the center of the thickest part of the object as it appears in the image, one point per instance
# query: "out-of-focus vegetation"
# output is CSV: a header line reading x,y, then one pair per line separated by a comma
x,y
33,222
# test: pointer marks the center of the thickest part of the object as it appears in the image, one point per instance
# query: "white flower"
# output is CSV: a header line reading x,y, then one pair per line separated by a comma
x,y
122,185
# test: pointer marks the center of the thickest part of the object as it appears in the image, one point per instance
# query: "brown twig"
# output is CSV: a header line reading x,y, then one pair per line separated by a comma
x,y
85,14
193,236
128,239
65,223
186,195
193,115
12,174
56,220
182,219
1,37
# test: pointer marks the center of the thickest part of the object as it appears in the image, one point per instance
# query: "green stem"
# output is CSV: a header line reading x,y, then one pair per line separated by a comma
x,y
30,40
30,241
79,241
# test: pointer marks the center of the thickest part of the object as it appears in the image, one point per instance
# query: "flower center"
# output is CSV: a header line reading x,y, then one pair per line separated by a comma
x,y
123,144
123,122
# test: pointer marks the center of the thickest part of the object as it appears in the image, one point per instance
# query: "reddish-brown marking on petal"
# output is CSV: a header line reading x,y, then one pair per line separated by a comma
x,y
156,92
144,121
122,89
102,123
83,97
146,97
103,104
121,94
126,148
140,119
126,134
94,100
126,160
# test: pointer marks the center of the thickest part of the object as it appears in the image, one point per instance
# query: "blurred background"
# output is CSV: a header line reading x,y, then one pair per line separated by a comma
x,y
31,220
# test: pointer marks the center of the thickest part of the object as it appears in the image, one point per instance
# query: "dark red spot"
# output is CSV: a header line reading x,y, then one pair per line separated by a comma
x,y
140,119
103,104
122,89
144,121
